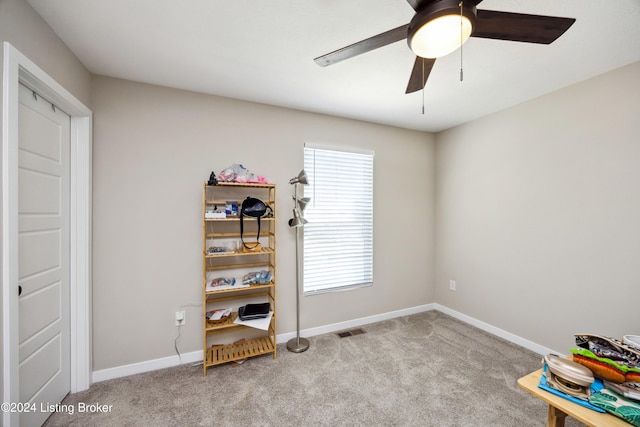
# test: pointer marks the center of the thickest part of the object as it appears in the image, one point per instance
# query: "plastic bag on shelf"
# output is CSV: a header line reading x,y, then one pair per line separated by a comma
x,y
238,173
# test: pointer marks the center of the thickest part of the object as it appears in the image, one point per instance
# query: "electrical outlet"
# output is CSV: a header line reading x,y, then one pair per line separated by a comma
x,y
452,285
181,318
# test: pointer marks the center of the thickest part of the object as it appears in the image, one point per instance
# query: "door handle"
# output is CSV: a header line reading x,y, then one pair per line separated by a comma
x,y
19,290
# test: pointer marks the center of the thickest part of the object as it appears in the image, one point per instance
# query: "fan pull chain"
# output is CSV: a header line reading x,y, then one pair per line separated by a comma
x,y
461,38
423,84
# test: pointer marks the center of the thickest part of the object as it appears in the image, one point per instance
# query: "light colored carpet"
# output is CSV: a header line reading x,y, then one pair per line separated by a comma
x,y
426,369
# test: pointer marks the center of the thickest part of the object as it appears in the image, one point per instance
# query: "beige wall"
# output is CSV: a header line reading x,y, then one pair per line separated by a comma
x,y
538,213
154,146
27,32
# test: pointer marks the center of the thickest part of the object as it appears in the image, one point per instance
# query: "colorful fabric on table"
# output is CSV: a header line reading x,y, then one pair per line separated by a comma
x,y
612,402
615,370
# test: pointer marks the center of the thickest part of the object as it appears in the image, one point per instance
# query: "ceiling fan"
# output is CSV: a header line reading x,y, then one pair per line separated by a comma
x,y
439,27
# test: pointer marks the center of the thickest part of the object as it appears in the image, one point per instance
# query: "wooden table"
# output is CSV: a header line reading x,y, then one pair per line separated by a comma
x,y
560,408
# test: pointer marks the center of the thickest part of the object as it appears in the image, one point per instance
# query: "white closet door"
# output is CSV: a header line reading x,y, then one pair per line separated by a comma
x,y
44,151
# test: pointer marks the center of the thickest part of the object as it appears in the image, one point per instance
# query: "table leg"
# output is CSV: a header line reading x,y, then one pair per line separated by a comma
x,y
556,417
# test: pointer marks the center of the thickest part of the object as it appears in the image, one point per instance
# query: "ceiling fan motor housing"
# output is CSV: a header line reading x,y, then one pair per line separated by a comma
x,y
438,9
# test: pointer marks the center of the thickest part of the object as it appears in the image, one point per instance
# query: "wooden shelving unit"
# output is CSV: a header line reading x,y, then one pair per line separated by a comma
x,y
235,263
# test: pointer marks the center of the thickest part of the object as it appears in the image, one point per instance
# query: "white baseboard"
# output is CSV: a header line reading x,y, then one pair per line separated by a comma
x,y
522,342
196,356
147,366
340,326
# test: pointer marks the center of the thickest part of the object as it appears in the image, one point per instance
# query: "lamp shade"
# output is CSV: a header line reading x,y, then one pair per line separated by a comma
x,y
297,220
300,179
441,28
302,203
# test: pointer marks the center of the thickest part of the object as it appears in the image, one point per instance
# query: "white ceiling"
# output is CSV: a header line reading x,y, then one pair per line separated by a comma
x,y
263,51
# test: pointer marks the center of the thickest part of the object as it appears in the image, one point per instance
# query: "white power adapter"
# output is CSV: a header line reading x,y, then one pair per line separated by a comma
x,y
181,318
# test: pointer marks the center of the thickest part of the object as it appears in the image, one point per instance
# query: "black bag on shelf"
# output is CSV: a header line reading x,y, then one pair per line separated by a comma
x,y
254,208
254,311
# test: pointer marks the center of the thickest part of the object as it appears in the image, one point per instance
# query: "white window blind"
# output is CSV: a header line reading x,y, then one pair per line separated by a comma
x,y
338,239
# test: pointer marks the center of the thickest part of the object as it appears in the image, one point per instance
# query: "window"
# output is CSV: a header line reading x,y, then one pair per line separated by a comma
x,y
338,239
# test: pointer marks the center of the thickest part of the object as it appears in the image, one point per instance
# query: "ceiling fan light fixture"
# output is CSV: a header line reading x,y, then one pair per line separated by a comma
x,y
441,28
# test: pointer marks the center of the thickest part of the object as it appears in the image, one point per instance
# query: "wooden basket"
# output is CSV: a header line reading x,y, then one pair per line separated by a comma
x,y
217,322
222,320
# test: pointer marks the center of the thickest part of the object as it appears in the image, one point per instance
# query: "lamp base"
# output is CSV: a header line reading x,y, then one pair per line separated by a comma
x,y
298,345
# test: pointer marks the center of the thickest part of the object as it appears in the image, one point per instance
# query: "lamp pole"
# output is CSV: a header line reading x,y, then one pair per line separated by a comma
x,y
297,344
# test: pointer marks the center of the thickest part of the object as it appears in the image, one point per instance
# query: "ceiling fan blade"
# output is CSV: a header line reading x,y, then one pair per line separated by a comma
x,y
363,46
420,73
520,27
415,4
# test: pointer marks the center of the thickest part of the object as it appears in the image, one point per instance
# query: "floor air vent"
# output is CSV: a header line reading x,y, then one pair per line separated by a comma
x,y
351,332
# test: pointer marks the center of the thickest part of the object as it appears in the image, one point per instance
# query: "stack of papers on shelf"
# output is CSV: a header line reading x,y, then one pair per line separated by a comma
x,y
210,288
212,214
256,323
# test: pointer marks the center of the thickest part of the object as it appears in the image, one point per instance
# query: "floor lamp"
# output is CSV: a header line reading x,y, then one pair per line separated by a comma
x,y
297,344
